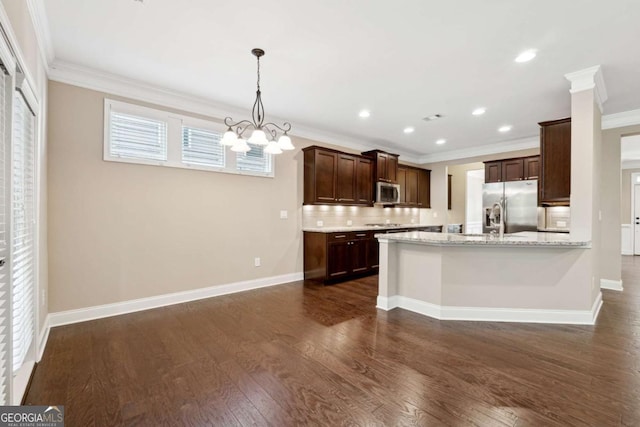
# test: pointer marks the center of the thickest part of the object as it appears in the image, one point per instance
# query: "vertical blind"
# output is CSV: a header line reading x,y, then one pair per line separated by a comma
x,y
137,137
202,147
23,225
5,313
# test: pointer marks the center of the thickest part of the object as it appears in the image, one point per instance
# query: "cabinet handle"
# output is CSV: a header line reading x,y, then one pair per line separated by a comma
x,y
342,236
360,235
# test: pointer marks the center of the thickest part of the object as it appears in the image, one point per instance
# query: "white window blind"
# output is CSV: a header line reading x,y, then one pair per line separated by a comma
x,y
137,137
5,312
202,147
23,226
255,160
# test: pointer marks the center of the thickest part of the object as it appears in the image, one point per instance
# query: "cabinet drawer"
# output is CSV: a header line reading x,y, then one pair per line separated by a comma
x,y
337,237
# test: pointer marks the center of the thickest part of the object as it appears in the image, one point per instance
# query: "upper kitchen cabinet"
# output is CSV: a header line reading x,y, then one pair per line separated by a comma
x,y
385,165
333,177
555,162
517,169
415,186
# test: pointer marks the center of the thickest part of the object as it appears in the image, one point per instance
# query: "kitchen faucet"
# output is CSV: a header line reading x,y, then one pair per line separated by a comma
x,y
492,217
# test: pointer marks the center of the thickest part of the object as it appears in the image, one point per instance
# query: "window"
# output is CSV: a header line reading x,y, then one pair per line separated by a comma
x,y
137,137
136,134
202,147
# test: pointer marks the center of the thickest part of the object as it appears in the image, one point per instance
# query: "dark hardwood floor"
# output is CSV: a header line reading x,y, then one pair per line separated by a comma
x,y
303,354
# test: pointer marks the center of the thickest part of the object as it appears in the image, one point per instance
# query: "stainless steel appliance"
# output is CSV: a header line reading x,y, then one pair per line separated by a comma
x,y
519,201
387,193
556,219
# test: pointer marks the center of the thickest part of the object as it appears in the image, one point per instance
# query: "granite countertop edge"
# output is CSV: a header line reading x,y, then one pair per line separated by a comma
x,y
346,229
526,239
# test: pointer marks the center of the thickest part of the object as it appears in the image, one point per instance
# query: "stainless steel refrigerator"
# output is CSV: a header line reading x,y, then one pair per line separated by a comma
x,y
520,205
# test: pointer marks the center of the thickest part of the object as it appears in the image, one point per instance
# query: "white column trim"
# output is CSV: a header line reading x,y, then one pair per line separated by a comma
x,y
589,78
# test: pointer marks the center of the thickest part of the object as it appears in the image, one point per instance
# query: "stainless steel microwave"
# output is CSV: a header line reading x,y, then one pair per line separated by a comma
x,y
387,193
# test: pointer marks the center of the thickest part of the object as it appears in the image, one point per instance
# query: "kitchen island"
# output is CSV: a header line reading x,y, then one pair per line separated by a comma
x,y
522,277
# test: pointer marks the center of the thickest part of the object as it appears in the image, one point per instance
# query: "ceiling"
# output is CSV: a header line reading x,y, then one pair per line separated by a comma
x,y
327,60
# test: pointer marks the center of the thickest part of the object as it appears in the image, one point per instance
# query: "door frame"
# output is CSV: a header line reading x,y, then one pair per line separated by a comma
x,y
635,180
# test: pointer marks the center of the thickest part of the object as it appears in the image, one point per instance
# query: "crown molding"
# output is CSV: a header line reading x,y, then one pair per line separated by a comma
x,y
483,150
589,78
89,78
38,13
618,120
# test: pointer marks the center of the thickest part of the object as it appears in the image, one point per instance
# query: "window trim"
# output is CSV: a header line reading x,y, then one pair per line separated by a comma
x,y
175,123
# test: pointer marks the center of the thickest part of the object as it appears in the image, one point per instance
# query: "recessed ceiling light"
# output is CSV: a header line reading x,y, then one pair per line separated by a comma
x,y
504,129
441,141
409,129
479,111
364,114
526,56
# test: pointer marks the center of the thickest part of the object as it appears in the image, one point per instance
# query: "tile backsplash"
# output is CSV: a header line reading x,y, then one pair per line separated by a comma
x,y
339,216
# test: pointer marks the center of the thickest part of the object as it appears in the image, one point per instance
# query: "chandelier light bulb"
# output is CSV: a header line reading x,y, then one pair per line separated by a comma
x,y
284,142
240,146
229,138
258,137
272,148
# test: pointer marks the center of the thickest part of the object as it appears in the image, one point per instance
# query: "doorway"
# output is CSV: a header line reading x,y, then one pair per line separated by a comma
x,y
473,205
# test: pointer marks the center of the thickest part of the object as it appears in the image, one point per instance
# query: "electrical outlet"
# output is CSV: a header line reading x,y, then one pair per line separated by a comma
x,y
413,220
387,221
349,222
256,262
284,214
319,223
435,214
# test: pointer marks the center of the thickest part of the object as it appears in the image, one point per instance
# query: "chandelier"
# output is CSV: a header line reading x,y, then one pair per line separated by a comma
x,y
263,134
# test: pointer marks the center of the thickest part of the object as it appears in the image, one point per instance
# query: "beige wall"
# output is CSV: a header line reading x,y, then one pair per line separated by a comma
x,y
625,195
458,173
123,231
20,21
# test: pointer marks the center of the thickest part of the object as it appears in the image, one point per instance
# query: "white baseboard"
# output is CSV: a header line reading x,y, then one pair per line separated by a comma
x,y
107,310
613,285
486,314
44,336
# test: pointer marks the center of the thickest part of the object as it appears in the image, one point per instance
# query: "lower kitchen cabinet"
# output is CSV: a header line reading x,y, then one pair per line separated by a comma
x,y
333,256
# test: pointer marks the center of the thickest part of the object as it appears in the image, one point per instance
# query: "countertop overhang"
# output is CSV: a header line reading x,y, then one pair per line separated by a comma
x,y
522,239
345,229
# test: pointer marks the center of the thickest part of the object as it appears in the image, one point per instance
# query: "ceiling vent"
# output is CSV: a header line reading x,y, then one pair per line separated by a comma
x,y
432,117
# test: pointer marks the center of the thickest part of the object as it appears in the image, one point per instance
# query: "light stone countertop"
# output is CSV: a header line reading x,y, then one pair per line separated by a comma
x,y
524,239
345,229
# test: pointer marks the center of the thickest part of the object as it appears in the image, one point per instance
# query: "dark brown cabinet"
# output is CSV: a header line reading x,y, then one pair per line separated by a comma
x,y
333,177
531,167
385,167
415,186
333,256
555,162
493,171
512,169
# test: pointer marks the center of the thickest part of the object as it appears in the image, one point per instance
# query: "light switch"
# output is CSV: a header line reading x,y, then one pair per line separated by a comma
x,y
284,214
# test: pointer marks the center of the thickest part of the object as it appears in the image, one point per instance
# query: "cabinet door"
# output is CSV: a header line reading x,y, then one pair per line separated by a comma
x,y
326,170
424,188
359,255
364,181
411,189
532,167
392,168
493,172
346,180
512,170
338,262
374,253
555,162
381,167
402,180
